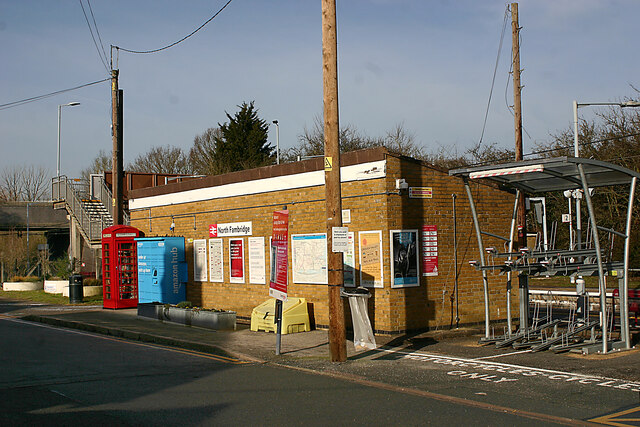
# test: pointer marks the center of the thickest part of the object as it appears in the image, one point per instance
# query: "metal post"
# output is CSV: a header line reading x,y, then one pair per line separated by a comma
x,y
624,295
596,242
485,280
278,320
455,257
512,232
275,122
59,125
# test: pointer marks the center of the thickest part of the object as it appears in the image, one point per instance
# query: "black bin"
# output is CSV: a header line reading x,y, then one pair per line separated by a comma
x,y
76,292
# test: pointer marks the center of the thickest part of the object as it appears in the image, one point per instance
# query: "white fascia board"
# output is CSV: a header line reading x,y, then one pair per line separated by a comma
x,y
363,171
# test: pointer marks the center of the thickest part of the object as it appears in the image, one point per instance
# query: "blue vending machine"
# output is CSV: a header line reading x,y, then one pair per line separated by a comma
x,y
162,270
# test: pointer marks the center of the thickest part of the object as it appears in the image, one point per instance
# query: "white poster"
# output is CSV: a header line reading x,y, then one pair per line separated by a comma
x,y
216,260
200,260
257,260
349,262
309,258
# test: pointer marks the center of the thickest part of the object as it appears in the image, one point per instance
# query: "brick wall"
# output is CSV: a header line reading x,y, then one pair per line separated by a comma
x,y
374,204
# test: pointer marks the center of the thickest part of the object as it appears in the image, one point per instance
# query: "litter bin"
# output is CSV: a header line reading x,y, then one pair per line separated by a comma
x,y
76,292
363,338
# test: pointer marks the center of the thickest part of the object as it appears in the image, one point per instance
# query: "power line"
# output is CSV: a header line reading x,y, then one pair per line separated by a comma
x,y
106,58
93,37
39,97
179,41
495,69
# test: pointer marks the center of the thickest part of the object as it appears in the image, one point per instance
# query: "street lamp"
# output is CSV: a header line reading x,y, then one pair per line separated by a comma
x,y
70,104
275,122
576,151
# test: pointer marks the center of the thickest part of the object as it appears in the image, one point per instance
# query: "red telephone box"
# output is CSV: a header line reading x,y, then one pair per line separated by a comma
x,y
120,266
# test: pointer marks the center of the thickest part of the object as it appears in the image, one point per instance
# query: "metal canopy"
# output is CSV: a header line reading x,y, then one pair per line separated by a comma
x,y
547,175
553,174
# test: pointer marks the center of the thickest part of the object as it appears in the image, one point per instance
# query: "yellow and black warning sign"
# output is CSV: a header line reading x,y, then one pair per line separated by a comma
x,y
328,164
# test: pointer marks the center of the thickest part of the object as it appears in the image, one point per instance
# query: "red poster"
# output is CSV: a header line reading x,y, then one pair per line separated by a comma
x,y
279,255
429,250
236,260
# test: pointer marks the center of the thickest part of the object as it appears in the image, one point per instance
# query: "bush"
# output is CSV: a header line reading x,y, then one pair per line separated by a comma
x,y
184,304
92,282
24,279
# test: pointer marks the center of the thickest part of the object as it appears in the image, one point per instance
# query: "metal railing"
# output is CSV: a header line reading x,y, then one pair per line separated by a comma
x,y
100,191
72,192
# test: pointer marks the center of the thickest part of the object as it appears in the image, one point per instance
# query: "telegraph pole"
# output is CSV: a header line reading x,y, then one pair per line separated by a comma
x,y
333,196
517,108
116,131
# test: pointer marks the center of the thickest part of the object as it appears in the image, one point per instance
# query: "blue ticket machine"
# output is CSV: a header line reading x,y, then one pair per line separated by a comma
x,y
162,270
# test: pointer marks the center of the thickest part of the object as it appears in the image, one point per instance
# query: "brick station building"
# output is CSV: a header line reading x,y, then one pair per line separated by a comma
x,y
376,207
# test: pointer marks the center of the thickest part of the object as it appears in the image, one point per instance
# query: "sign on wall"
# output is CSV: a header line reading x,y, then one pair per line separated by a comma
x,y
236,260
404,258
200,260
216,260
256,260
429,250
371,269
279,255
230,229
420,192
309,258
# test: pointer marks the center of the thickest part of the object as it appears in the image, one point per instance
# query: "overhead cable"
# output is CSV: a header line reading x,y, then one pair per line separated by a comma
x,y
103,59
39,97
176,42
495,69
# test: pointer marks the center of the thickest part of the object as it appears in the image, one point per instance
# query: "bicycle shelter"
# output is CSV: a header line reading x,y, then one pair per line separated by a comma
x,y
543,176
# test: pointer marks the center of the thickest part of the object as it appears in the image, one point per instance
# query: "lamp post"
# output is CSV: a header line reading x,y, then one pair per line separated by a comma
x,y
70,104
275,122
576,150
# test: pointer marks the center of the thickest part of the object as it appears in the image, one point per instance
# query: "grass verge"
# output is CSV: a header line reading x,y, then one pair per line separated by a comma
x,y
46,298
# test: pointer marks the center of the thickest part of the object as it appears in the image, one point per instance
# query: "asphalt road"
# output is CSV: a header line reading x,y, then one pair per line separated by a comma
x,y
52,376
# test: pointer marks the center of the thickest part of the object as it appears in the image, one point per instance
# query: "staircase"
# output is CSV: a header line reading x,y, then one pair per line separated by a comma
x,y
88,203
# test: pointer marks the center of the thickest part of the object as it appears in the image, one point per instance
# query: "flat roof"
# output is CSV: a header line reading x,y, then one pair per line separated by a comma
x,y
552,174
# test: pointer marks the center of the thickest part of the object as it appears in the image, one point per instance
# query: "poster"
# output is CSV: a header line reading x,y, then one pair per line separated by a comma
x,y
309,258
349,262
200,260
279,278
403,245
371,269
256,260
429,250
236,260
215,260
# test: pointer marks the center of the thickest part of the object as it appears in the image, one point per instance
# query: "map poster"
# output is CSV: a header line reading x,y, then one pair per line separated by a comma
x,y
200,260
279,278
236,260
215,260
349,262
309,258
256,260
429,250
371,270
403,245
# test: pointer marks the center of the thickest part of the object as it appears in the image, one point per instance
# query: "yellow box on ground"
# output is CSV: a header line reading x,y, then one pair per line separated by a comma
x,y
295,316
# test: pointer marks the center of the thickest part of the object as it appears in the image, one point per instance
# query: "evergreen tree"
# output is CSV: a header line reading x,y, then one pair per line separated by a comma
x,y
243,143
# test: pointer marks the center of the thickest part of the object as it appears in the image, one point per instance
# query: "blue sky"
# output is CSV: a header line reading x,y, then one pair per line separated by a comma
x,y
424,63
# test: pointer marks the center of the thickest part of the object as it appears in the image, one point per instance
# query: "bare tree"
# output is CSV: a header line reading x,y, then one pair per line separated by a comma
x,y
24,183
202,155
102,162
161,160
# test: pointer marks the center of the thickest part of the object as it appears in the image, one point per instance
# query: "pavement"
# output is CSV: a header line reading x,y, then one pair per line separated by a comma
x,y
310,350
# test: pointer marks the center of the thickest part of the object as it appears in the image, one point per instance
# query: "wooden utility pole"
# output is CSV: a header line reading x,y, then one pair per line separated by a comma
x,y
517,109
333,195
116,130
